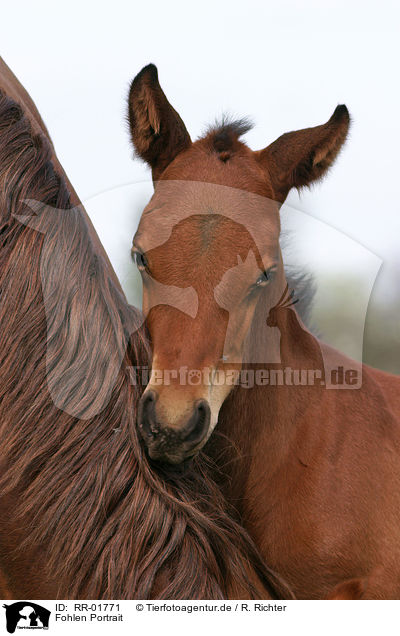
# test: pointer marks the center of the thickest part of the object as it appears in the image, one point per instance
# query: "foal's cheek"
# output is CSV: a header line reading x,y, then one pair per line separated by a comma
x,y
238,328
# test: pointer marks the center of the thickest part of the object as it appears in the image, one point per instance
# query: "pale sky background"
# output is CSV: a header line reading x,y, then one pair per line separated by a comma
x,y
285,64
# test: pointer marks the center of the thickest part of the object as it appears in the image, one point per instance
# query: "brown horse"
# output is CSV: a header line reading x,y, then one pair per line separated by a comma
x,y
314,473
83,514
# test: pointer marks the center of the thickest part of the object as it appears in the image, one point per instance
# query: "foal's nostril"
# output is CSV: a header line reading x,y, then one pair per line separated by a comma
x,y
199,422
147,414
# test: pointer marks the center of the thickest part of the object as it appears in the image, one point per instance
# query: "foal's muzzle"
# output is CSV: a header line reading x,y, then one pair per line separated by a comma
x,y
172,444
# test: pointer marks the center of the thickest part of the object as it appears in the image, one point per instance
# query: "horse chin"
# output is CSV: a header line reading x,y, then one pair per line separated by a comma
x,y
174,458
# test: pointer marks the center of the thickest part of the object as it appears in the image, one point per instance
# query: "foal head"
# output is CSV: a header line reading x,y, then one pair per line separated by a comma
x,y
208,250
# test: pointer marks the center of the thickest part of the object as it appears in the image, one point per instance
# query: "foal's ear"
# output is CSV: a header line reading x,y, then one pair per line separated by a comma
x,y
298,158
158,133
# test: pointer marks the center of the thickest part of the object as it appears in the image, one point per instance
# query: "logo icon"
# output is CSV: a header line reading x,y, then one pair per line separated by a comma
x,y
26,615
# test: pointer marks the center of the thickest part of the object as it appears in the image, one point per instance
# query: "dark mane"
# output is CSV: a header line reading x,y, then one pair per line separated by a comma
x,y
299,279
223,136
304,287
109,524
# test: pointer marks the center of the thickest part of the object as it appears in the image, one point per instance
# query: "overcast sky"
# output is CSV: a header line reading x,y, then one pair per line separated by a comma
x,y
285,64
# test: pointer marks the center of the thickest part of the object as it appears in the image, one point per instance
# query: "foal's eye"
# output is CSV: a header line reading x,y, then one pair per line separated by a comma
x,y
140,260
265,277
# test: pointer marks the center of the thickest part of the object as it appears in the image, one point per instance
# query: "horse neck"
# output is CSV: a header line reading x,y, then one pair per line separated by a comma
x,y
261,421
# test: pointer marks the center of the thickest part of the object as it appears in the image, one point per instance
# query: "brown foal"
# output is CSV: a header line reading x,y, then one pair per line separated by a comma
x,y
313,471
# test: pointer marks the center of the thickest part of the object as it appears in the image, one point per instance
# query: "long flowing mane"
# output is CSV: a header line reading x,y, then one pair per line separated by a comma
x,y
109,524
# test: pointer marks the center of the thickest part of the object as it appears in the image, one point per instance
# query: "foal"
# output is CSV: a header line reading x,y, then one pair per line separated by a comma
x,y
316,472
